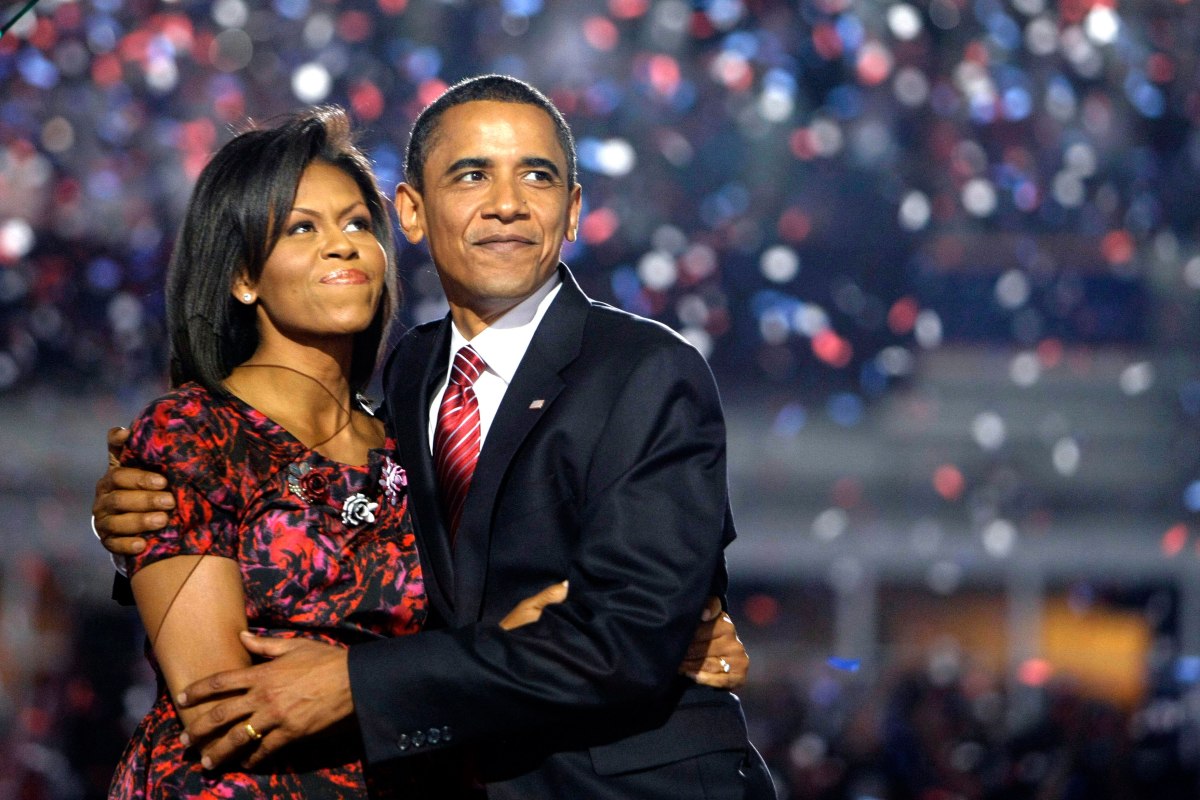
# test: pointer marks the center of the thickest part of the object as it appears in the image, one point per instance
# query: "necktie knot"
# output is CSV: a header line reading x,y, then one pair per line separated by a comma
x,y
468,366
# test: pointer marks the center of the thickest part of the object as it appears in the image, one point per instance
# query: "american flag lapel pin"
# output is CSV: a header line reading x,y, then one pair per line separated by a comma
x,y
536,404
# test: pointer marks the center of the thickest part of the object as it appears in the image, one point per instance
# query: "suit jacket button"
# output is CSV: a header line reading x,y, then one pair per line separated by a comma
x,y
446,733
434,735
418,738
402,742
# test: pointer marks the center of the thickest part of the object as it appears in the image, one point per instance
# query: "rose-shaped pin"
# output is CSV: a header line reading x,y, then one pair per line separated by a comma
x,y
315,487
306,483
358,509
394,479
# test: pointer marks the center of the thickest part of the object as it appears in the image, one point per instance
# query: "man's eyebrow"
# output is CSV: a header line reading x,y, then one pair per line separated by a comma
x,y
472,162
478,162
541,163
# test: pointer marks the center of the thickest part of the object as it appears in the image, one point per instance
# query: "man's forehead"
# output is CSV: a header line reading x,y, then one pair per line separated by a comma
x,y
465,124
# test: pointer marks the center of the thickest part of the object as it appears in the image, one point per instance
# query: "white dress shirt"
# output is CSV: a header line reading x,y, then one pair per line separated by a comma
x,y
501,345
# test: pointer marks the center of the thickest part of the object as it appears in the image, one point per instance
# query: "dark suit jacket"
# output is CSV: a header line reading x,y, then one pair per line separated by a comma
x,y
605,465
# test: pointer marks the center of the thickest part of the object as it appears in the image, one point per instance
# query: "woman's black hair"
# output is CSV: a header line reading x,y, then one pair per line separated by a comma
x,y
236,214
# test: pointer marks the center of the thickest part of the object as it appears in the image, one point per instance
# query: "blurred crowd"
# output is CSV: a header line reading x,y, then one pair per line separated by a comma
x,y
952,733
944,729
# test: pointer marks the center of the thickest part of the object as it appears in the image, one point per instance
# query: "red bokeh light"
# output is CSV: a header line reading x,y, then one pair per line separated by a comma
x,y
367,101
948,481
1174,540
902,316
664,74
832,349
628,9
1035,672
599,226
1117,247
794,225
761,610
601,33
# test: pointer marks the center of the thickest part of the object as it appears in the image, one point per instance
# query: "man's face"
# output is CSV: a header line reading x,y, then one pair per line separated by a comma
x,y
495,209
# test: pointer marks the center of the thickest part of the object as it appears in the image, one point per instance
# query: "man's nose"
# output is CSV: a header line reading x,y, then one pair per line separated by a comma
x,y
507,200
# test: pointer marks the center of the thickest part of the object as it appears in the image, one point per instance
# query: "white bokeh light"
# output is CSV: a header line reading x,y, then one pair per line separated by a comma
x,y
616,157
16,238
1012,289
1102,24
979,197
1025,369
657,270
830,524
999,538
1065,456
915,211
1137,378
779,264
988,430
928,329
904,21
910,86
311,83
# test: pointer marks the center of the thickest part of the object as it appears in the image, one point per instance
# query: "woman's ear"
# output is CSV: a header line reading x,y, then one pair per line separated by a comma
x,y
243,291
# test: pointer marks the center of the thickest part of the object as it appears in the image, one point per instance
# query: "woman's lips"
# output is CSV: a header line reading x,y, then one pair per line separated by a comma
x,y
345,277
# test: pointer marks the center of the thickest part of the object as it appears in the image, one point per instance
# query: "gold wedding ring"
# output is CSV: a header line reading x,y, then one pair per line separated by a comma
x,y
255,735
724,667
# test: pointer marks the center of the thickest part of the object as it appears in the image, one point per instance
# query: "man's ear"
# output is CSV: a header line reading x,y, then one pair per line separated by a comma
x,y
574,207
409,209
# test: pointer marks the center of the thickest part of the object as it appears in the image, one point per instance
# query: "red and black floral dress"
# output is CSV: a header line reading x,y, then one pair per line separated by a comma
x,y
326,552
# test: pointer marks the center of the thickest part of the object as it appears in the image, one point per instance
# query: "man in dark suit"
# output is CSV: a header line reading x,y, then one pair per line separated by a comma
x,y
595,448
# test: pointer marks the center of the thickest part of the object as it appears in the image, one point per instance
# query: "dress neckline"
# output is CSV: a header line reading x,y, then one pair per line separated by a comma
x,y
280,436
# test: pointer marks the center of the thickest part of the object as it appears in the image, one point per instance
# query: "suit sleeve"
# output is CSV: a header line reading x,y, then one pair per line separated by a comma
x,y
654,522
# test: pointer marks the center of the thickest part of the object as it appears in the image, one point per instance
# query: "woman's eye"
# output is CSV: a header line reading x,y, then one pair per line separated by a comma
x,y
300,227
358,224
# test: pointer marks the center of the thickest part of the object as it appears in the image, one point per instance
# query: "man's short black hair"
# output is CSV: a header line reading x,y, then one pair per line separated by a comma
x,y
498,88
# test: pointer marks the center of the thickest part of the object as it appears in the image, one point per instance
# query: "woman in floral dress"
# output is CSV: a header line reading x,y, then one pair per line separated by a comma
x,y
291,514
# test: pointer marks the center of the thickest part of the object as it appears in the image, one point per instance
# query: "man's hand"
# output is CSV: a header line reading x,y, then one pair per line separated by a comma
x,y
716,656
129,502
304,689
530,609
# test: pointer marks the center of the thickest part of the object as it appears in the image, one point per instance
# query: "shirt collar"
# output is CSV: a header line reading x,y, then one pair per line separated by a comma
x,y
502,344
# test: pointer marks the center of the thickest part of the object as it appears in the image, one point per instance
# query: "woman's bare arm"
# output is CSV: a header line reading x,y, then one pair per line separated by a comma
x,y
193,609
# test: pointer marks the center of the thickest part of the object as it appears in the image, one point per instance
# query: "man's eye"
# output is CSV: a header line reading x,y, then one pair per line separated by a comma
x,y
539,176
474,176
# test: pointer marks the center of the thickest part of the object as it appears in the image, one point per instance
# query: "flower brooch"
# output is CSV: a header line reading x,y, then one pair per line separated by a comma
x,y
312,487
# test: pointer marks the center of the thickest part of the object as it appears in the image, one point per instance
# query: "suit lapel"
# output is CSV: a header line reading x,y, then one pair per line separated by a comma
x,y
413,373
534,388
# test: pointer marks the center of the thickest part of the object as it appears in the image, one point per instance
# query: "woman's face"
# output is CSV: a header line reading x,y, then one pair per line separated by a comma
x,y
325,275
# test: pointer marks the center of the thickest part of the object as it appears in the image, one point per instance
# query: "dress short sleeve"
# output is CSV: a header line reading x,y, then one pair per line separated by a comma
x,y
183,437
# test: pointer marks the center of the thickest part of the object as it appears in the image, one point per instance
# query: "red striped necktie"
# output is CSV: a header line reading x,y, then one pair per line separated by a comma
x,y
456,440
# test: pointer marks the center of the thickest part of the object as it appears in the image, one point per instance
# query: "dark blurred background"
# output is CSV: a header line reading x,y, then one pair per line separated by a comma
x,y
942,257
